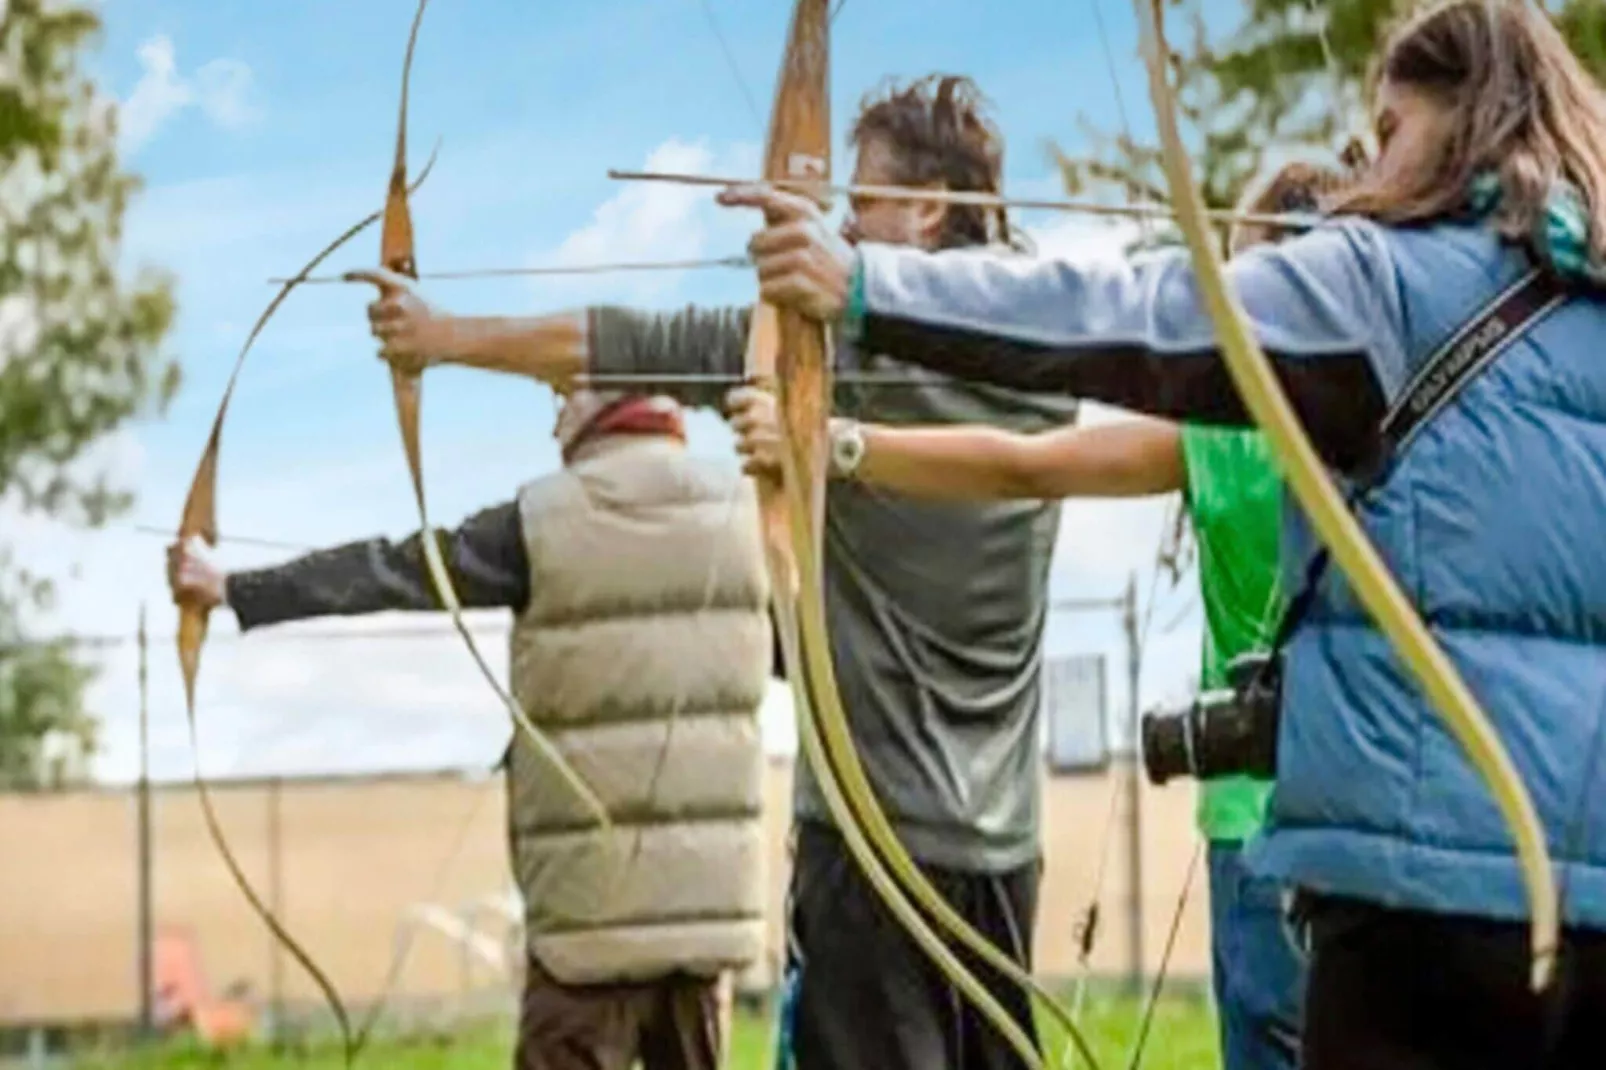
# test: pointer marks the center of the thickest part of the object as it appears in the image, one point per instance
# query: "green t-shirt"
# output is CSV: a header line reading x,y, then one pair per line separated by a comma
x,y
1234,497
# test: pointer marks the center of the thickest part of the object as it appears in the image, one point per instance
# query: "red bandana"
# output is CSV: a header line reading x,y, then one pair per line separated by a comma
x,y
632,416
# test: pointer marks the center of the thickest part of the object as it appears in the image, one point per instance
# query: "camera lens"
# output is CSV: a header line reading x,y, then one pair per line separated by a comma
x,y
1222,733
1164,740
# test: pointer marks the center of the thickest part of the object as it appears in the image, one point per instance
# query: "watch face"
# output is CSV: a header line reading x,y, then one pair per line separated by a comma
x,y
848,448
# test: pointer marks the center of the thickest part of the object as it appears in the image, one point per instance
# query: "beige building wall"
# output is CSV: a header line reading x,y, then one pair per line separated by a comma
x,y
354,856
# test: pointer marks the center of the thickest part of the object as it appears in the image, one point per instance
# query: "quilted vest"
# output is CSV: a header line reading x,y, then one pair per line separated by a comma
x,y
1492,521
644,654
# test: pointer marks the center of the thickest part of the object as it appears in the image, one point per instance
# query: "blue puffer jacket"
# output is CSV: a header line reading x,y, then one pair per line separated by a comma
x,y
1493,520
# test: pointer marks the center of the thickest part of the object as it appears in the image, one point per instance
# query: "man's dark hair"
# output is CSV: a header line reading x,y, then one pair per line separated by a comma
x,y
940,134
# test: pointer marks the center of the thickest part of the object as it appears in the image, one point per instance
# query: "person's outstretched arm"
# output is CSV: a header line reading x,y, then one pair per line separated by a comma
x,y
1134,457
485,558
692,355
1133,333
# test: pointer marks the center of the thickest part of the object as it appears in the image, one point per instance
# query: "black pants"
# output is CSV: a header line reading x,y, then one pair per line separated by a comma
x,y
867,997
1400,989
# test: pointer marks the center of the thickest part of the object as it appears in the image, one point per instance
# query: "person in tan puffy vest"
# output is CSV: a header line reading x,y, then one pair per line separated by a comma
x,y
642,646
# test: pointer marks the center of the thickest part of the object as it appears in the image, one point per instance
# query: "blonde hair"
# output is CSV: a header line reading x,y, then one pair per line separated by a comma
x,y
1519,105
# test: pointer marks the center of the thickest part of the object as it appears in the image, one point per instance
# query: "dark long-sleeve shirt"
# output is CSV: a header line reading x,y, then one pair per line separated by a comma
x,y
485,557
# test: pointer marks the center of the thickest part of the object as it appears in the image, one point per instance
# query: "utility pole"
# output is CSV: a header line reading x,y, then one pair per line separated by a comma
x,y
1127,606
147,1002
276,901
1134,787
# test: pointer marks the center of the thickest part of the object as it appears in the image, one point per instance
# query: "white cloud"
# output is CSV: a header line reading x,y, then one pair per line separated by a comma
x,y
223,92
156,96
221,89
1079,235
655,221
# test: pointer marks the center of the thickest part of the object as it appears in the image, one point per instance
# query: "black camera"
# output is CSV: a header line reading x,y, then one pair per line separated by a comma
x,y
1226,732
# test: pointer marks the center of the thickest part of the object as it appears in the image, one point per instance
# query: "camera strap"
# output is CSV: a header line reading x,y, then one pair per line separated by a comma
x,y
1448,370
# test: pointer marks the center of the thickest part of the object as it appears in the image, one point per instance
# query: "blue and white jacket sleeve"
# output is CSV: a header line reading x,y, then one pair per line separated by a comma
x,y
1135,333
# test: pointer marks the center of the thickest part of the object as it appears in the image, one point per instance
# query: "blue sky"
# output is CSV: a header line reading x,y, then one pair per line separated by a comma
x,y
263,129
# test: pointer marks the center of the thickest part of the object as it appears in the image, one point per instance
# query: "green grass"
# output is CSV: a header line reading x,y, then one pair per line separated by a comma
x,y
1183,1037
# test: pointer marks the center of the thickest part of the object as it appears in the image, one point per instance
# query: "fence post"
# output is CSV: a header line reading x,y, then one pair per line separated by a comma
x,y
147,1000
276,905
1134,827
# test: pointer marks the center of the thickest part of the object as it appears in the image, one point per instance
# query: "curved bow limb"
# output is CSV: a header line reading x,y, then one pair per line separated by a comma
x,y
199,520
396,253
199,517
812,682
822,715
1338,528
792,354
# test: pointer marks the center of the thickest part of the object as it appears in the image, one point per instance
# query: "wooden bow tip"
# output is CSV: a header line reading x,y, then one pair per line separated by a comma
x,y
192,628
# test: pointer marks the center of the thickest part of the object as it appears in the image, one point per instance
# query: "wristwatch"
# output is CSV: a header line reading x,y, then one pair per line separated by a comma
x,y
847,447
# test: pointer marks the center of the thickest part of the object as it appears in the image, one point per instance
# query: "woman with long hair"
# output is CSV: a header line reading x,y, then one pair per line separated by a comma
x,y
1491,164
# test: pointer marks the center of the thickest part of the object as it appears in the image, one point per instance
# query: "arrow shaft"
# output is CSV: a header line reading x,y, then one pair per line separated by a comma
x,y
735,379
1297,221
561,269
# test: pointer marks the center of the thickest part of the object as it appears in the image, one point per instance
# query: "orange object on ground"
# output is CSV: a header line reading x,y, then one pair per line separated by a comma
x,y
183,997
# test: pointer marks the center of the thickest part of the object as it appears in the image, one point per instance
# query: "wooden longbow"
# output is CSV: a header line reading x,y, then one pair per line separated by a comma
x,y
792,355
199,520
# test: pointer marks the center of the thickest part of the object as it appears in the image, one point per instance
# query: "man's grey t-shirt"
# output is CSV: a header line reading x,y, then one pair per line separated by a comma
x,y
935,610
